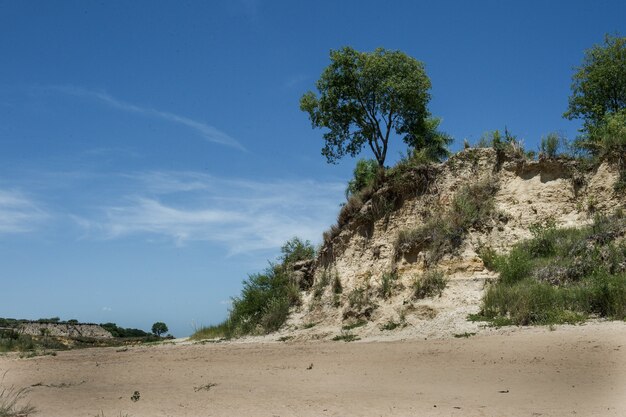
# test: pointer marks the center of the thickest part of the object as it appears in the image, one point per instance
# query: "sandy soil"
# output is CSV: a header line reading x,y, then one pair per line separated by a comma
x,y
573,370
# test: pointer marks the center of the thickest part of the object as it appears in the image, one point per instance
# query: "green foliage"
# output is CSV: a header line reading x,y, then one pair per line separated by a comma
x,y
346,337
391,325
607,139
217,331
123,332
364,97
159,328
551,144
388,283
429,284
264,303
504,143
266,298
471,207
599,84
488,256
364,175
358,323
561,276
321,285
295,250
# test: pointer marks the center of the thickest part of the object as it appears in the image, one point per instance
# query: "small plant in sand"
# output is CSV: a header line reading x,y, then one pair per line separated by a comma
x,y
12,402
429,284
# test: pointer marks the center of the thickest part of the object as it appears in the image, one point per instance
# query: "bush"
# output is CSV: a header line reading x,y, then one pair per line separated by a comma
x,y
364,176
551,144
431,283
296,250
388,283
264,303
561,276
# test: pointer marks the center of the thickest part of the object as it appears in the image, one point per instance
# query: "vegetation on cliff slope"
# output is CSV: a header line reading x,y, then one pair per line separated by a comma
x,y
560,276
264,303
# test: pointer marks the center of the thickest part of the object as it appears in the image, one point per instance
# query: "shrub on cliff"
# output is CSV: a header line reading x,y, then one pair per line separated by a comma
x,y
561,275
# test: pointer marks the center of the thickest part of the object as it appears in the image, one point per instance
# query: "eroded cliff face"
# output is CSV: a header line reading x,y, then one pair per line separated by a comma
x,y
69,330
351,282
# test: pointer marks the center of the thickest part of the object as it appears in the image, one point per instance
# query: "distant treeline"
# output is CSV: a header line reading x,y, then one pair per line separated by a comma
x,y
9,322
123,332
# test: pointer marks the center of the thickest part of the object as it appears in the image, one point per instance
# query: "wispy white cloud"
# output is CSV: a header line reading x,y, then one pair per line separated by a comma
x,y
208,132
18,213
240,215
294,81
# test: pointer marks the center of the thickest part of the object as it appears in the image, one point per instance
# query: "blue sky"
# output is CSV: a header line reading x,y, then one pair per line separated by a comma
x,y
153,153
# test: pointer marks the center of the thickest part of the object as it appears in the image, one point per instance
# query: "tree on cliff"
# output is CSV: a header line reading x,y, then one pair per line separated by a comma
x,y
364,97
599,84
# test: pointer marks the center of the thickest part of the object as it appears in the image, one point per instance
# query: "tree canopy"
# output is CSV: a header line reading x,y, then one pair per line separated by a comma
x,y
599,84
364,97
159,328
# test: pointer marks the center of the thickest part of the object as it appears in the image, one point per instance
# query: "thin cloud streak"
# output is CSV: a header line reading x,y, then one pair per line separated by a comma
x,y
208,132
18,214
239,215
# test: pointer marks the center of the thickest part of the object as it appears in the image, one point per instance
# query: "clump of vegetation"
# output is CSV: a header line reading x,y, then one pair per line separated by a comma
x,y
346,337
430,284
159,328
11,402
359,298
464,335
388,283
472,207
364,175
358,323
266,298
321,285
561,276
551,144
392,325
121,332
505,144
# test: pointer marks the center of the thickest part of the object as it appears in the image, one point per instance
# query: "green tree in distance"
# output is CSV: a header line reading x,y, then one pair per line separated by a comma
x,y
364,97
159,328
599,84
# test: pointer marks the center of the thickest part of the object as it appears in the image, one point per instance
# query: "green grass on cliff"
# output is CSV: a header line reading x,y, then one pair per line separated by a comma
x,y
560,276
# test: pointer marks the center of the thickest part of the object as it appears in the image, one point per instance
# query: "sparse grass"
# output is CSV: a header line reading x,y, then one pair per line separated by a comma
x,y
12,402
321,285
388,283
358,323
346,337
472,207
358,298
218,331
429,284
392,325
561,276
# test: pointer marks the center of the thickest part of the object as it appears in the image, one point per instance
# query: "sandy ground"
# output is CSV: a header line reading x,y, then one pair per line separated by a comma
x,y
573,370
